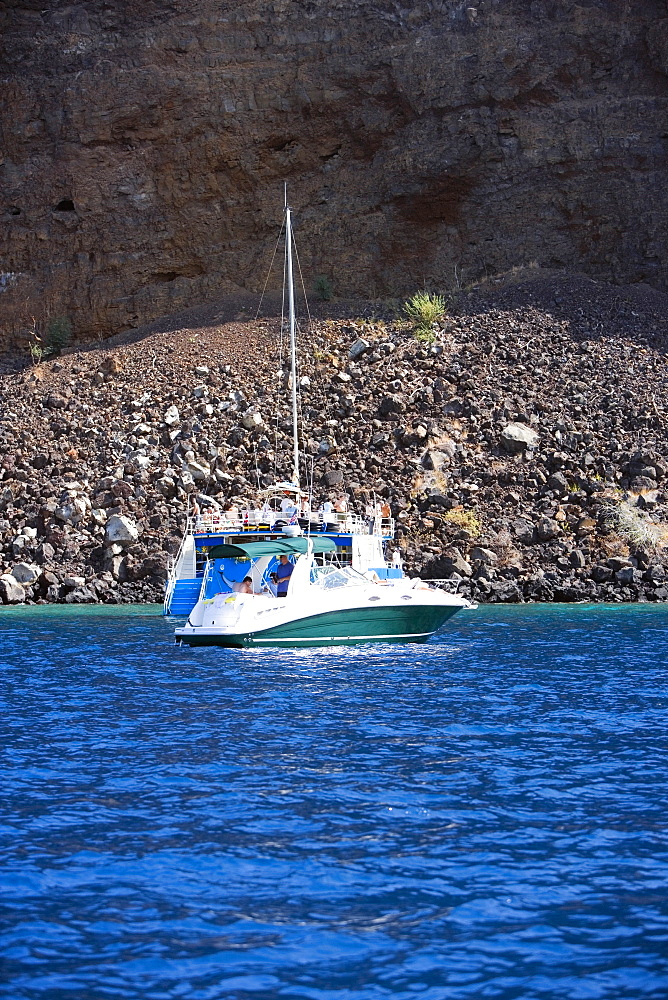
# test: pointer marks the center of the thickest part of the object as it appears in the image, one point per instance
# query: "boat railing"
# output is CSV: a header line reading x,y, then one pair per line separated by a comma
x,y
253,519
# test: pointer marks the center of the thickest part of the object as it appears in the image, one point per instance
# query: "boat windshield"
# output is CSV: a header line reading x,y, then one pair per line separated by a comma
x,y
331,577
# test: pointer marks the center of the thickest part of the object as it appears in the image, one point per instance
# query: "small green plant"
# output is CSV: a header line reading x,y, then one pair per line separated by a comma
x,y
35,344
323,288
426,335
58,335
466,519
424,309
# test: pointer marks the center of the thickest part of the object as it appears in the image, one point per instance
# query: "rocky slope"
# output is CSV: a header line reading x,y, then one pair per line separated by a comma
x,y
144,147
523,451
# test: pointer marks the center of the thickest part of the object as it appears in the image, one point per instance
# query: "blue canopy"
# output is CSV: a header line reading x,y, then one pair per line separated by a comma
x,y
277,547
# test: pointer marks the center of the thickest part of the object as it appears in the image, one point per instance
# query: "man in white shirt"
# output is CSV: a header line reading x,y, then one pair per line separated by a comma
x,y
288,506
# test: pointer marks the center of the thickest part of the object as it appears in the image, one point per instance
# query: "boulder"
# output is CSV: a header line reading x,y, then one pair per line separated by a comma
x,y
558,484
391,404
45,553
516,438
19,545
619,562
455,560
11,591
25,573
198,470
358,348
585,526
505,592
82,595
547,528
486,556
70,511
251,420
523,531
120,529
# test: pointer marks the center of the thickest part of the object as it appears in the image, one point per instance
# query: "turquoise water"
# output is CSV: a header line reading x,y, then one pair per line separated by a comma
x,y
484,816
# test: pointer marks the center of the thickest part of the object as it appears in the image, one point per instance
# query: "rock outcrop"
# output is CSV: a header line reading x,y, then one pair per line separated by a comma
x,y
97,459
145,147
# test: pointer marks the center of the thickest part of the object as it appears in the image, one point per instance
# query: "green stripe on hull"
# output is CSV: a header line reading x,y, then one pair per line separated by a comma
x,y
340,628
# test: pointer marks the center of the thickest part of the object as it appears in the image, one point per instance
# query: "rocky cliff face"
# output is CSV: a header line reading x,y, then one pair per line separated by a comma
x,y
145,146
523,452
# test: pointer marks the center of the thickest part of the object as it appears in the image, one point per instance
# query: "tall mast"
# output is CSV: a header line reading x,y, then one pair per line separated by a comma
x,y
293,343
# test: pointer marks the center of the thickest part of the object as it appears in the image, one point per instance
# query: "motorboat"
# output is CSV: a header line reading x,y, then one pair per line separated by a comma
x,y
279,573
326,604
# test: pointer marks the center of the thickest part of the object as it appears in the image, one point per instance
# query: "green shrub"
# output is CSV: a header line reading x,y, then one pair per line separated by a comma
x,y
425,334
466,519
58,335
323,288
424,309
633,527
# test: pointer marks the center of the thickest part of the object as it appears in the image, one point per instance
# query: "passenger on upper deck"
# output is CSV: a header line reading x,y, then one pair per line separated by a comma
x,y
328,516
288,506
231,512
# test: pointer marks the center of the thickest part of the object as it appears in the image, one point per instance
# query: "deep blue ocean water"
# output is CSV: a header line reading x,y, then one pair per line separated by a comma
x,y
485,816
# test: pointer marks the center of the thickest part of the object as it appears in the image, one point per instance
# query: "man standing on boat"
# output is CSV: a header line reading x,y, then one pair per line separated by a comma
x,y
283,574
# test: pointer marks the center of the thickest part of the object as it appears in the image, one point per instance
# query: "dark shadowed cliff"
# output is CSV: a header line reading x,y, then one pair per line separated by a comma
x,y
144,146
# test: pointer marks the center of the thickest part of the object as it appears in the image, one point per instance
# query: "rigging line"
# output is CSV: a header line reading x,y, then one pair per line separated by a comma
x,y
310,327
301,278
273,256
280,363
299,395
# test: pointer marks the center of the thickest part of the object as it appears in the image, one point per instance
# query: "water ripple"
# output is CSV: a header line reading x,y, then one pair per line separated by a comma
x,y
485,816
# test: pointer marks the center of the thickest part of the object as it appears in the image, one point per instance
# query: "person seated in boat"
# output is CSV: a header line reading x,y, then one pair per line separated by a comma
x,y
282,576
244,586
341,505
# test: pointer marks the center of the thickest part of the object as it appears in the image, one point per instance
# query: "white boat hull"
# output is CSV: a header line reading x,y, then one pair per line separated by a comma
x,y
346,616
